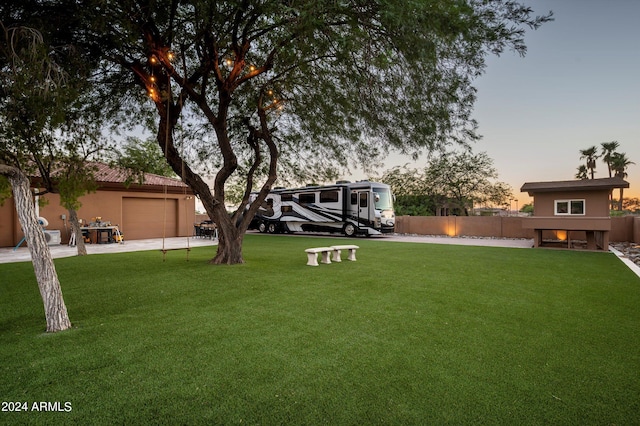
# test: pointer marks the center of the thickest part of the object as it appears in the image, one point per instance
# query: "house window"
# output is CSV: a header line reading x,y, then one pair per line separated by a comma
x,y
569,207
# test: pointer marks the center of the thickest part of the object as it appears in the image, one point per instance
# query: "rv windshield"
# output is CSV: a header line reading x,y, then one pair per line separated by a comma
x,y
383,198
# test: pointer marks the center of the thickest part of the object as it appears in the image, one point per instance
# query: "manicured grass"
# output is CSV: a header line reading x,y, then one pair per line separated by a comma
x,y
408,334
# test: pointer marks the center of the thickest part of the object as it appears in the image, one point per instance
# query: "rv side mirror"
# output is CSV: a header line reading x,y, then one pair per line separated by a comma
x,y
376,196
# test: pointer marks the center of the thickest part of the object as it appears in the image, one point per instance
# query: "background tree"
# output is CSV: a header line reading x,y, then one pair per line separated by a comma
x,y
590,155
77,181
408,187
463,178
619,164
139,156
608,149
583,172
527,208
314,83
466,178
631,204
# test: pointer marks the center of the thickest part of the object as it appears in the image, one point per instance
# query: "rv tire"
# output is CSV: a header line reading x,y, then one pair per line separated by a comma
x,y
272,228
262,227
349,229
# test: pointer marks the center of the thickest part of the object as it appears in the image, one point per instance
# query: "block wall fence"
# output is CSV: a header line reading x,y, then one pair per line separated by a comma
x,y
623,229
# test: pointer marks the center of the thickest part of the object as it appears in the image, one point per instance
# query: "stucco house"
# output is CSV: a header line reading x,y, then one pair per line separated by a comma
x,y
572,210
158,207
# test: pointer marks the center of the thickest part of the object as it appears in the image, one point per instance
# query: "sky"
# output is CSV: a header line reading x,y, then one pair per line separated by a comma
x,y
577,86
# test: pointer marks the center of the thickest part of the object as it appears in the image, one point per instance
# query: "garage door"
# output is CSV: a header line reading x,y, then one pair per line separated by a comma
x,y
145,218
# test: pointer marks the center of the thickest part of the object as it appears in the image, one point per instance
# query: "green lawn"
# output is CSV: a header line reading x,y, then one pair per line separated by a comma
x,y
408,334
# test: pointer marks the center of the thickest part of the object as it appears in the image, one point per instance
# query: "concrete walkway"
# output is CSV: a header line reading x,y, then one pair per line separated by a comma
x,y
22,254
463,241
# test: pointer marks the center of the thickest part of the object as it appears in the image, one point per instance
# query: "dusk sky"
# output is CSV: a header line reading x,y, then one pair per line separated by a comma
x,y
578,86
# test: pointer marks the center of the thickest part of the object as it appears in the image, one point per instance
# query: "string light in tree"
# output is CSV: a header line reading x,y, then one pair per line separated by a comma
x,y
151,82
276,103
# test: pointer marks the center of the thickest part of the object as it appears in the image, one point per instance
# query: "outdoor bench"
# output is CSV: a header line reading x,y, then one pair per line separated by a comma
x,y
312,255
337,249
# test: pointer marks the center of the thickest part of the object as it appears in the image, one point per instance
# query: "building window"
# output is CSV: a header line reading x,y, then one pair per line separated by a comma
x,y
329,196
569,207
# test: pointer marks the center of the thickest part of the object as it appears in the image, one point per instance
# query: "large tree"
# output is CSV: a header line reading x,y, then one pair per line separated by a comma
x,y
305,83
30,85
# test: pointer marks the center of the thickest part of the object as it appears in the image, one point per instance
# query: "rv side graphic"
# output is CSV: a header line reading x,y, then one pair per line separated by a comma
x,y
364,208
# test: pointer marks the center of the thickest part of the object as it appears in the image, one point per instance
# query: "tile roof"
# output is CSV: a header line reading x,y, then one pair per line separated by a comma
x,y
108,174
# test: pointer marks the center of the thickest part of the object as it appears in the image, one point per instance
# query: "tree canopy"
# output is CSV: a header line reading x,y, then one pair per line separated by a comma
x,y
617,164
267,88
138,157
463,179
31,89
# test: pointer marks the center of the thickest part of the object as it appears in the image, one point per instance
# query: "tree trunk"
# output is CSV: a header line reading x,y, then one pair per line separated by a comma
x,y
75,230
229,245
54,308
620,200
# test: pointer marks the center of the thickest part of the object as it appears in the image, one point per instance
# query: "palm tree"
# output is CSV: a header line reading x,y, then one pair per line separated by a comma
x,y
591,155
583,173
619,164
608,149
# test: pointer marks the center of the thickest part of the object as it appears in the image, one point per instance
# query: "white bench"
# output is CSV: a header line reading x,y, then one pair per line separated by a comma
x,y
312,255
337,249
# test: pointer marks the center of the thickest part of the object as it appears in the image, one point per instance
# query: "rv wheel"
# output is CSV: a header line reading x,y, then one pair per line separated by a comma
x,y
349,230
262,227
272,228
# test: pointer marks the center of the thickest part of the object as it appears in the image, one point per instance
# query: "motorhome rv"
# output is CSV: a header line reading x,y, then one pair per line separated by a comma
x,y
360,208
